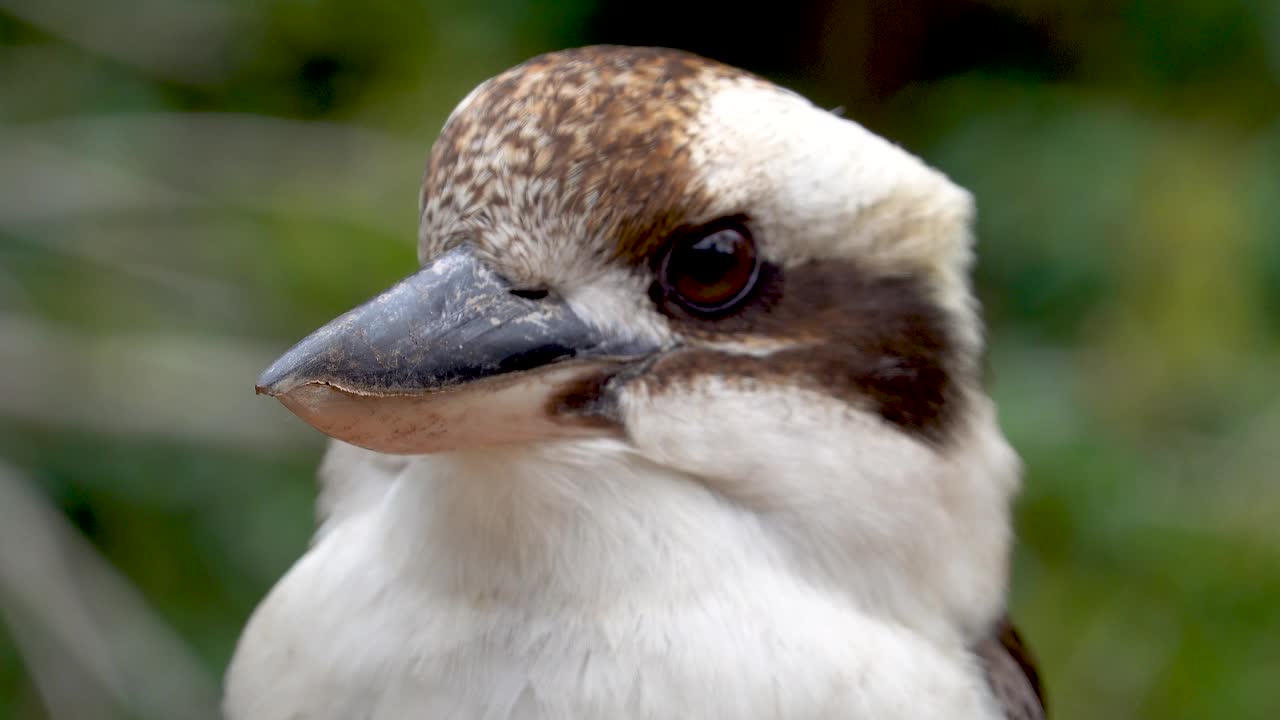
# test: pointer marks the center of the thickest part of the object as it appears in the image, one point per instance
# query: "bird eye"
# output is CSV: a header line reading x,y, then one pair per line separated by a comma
x,y
712,271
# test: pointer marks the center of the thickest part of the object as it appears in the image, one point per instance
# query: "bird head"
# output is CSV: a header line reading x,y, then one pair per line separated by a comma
x,y
732,283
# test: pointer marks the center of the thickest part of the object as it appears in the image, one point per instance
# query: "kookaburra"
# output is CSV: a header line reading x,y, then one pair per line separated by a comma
x,y
682,417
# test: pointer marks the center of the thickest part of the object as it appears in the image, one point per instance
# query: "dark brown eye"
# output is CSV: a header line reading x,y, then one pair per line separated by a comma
x,y
712,271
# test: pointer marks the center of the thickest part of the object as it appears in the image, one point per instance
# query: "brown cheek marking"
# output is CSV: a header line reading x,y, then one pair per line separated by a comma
x,y
872,341
587,402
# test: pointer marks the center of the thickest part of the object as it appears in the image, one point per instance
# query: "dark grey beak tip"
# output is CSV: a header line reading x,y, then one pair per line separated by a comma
x,y
276,379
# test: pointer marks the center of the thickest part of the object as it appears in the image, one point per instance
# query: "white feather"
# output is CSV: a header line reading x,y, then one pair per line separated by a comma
x,y
576,581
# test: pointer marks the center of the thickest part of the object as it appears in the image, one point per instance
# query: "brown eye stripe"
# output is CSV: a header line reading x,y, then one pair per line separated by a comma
x,y
874,341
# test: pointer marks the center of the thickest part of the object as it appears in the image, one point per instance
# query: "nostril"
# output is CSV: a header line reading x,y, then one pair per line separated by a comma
x,y
531,294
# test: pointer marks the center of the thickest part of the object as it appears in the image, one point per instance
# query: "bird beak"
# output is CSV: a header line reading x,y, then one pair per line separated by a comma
x,y
450,358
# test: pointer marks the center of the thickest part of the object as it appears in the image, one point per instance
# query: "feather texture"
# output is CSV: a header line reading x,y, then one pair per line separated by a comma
x,y
1012,674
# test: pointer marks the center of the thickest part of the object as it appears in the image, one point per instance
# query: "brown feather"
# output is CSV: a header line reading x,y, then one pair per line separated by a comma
x,y
1012,674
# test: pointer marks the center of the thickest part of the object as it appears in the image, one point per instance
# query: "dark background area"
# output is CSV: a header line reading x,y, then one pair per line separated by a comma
x,y
188,186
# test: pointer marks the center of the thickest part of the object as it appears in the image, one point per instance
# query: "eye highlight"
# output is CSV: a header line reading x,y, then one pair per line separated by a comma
x,y
712,270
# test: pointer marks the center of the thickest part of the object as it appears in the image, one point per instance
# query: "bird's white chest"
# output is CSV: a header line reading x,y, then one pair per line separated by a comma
x,y
633,625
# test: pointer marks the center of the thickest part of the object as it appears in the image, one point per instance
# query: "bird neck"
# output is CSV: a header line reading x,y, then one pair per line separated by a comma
x,y
565,525
577,526
589,580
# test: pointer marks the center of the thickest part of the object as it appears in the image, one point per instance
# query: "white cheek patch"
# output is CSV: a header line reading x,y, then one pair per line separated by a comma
x,y
758,346
616,302
907,530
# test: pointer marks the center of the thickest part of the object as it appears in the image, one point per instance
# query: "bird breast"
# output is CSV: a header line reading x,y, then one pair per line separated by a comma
x,y
457,595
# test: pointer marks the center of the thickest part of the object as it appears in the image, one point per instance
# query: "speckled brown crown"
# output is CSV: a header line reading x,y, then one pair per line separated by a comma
x,y
597,135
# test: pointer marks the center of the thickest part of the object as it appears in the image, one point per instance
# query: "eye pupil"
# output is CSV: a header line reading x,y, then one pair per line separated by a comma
x,y
716,258
711,271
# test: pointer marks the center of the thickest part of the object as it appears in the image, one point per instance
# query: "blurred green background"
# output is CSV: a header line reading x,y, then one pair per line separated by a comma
x,y
188,186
